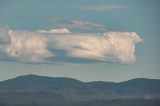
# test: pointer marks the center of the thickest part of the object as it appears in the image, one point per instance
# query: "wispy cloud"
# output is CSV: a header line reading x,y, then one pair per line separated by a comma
x,y
59,30
50,47
102,7
79,24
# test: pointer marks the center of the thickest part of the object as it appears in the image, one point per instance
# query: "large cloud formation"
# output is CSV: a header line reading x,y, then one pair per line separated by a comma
x,y
59,45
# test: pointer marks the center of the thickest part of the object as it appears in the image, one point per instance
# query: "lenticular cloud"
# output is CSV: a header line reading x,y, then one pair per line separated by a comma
x,y
45,46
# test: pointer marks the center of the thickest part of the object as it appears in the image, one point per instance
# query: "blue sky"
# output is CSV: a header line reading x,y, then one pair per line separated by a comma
x,y
83,18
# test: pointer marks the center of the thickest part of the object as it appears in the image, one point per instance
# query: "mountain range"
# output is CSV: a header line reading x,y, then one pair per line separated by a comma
x,y
62,91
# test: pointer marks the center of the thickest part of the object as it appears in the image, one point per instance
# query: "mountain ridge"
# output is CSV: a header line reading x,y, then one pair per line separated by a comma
x,y
34,75
43,89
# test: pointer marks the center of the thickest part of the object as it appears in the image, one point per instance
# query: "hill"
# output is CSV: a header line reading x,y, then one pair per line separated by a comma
x,y
60,91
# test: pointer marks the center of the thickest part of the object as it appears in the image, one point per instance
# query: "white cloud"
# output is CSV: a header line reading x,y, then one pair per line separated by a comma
x,y
101,7
79,24
59,30
39,46
4,36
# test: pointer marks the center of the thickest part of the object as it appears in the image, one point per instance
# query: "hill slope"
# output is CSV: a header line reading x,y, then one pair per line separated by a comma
x,y
57,90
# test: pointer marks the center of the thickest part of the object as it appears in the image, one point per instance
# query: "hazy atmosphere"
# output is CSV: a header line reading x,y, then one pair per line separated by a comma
x,y
89,40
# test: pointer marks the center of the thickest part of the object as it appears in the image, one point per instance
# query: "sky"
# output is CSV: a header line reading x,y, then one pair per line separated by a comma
x,y
89,40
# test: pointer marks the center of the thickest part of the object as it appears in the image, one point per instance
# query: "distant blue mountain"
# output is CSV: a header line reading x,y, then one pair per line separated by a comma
x,y
57,90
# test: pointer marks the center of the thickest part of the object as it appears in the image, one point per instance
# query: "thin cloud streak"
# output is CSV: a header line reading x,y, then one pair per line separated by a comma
x,y
77,24
101,7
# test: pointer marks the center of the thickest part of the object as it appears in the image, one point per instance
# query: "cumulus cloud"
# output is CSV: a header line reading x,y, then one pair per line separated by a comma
x,y
4,36
26,46
101,7
45,46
